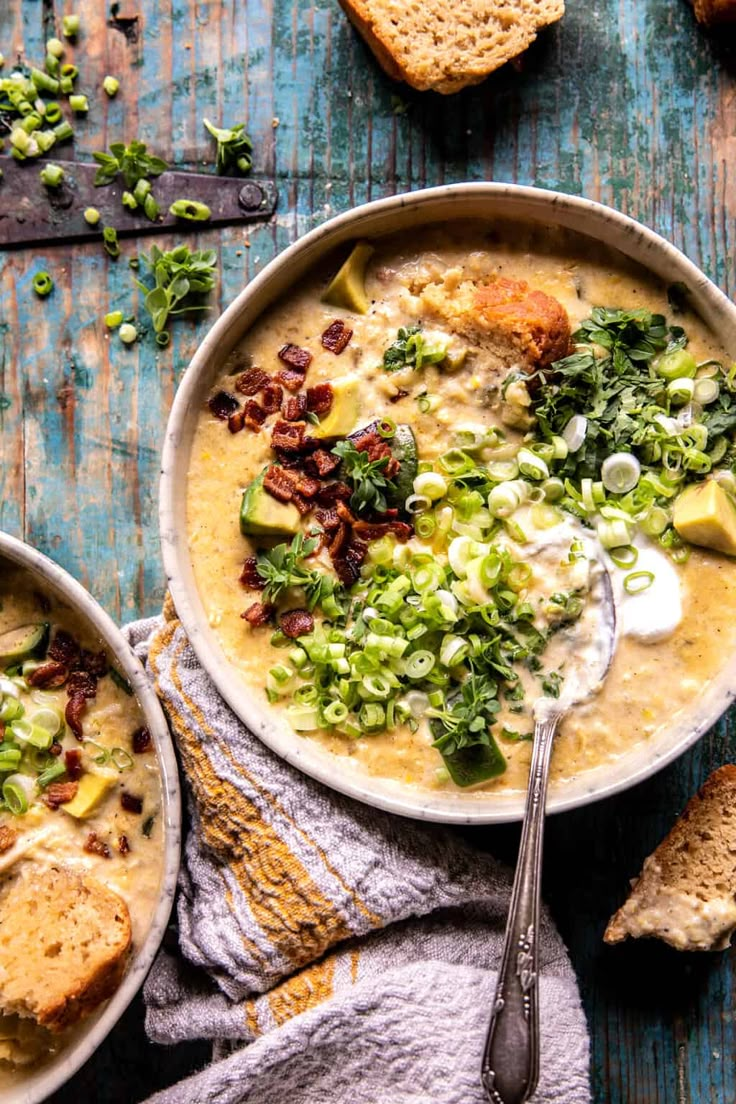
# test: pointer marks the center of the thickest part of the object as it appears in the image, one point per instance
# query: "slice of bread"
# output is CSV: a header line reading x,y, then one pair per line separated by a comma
x,y
711,12
64,941
431,45
686,893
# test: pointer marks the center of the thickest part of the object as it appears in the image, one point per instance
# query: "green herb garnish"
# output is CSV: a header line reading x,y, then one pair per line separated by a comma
x,y
411,351
283,568
234,147
181,277
367,477
133,161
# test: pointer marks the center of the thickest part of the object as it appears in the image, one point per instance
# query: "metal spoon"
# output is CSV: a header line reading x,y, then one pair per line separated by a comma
x,y
510,1069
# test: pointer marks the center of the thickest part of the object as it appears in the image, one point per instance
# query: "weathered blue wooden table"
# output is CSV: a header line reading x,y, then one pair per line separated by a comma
x,y
626,101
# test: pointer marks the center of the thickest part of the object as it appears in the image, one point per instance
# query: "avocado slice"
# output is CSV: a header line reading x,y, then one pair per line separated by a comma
x,y
471,765
404,448
264,516
344,412
346,290
705,514
24,641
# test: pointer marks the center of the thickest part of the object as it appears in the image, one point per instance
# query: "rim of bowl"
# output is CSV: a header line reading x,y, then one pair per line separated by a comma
x,y
72,1058
524,204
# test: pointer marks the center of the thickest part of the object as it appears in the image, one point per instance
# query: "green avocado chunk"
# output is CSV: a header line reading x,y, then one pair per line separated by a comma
x,y
25,641
346,290
470,765
404,448
264,516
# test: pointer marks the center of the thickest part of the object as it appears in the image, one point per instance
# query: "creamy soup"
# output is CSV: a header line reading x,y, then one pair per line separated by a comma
x,y
550,441
79,777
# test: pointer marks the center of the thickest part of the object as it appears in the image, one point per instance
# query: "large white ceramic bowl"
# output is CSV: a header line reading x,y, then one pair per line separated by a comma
x,y
48,1077
399,213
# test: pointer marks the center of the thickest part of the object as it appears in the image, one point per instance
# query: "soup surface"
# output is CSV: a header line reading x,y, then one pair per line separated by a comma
x,y
483,563
80,783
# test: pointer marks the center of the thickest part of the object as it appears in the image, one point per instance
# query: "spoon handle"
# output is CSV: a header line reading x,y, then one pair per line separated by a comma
x,y
511,1060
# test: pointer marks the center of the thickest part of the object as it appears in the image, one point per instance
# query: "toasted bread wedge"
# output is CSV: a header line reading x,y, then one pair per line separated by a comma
x,y
433,45
64,942
686,893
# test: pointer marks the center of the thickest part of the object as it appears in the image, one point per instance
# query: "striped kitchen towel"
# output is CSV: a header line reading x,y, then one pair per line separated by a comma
x,y
330,952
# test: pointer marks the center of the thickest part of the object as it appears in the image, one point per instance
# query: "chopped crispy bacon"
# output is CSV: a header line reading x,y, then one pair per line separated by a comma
x,y
292,378
346,571
331,493
345,513
288,436
319,398
249,576
328,519
73,714
258,614
58,793
296,623
236,421
96,663
141,740
8,836
339,541
400,394
294,408
81,684
252,381
223,404
73,763
95,846
254,414
49,676
123,845
374,530
301,504
295,357
280,483
131,802
272,397
324,462
362,437
336,337
55,749
307,486
64,649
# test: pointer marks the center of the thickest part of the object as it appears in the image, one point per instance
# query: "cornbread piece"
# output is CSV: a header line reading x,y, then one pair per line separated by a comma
x,y
686,893
64,941
433,45
711,12
506,317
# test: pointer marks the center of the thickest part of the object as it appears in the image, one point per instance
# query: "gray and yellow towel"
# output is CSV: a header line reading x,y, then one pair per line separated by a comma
x,y
330,951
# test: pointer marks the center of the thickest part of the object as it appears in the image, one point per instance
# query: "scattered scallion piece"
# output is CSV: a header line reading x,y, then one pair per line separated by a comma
x,y
52,175
190,209
53,113
55,47
79,104
63,131
129,201
114,319
70,25
70,71
91,216
110,241
111,86
128,333
44,82
638,581
43,285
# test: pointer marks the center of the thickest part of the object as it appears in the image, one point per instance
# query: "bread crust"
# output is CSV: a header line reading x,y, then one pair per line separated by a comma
x,y
712,12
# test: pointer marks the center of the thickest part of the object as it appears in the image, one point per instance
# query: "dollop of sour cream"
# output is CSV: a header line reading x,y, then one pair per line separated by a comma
x,y
652,614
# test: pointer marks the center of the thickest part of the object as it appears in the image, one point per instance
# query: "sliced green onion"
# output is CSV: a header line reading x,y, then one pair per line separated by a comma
x,y
545,516
706,390
127,333
190,209
111,86
52,114
45,139
44,82
415,503
51,175
419,664
531,465
502,470
386,428
424,526
430,485
507,497
560,448
91,216
70,26
142,189
625,556
620,472
55,47
151,208
63,131
638,581
43,285
574,432
110,241
48,718
681,390
453,650
17,793
335,713
613,533
113,319
554,489
303,718
675,365
9,759
128,200
66,84
122,759
79,104
52,772
654,522
70,71
163,338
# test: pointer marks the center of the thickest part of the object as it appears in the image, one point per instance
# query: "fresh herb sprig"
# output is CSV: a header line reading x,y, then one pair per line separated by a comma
x,y
282,568
181,277
468,717
133,161
410,350
367,477
234,147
